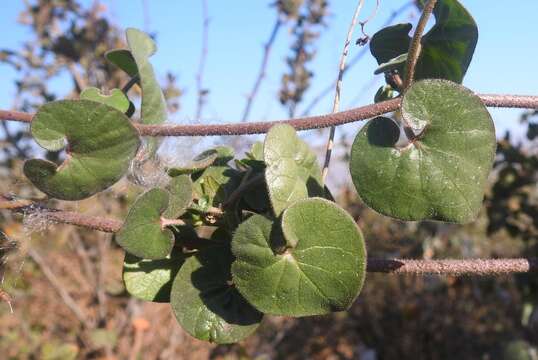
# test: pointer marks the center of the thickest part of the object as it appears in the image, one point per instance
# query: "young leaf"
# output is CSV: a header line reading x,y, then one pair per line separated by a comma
x,y
123,59
116,99
220,155
153,107
216,183
142,234
447,49
151,280
180,188
321,270
393,64
101,142
292,172
442,173
206,304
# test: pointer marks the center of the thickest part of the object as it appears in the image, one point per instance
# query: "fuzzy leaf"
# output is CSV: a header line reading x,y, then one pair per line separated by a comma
x,y
216,183
393,64
322,269
180,188
116,99
439,176
205,303
292,172
220,155
151,280
141,234
101,142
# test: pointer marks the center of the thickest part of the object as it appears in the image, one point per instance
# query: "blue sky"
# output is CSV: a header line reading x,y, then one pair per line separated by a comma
x,y
504,61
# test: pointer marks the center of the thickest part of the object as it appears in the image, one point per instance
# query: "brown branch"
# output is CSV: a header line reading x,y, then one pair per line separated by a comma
x,y
305,123
414,47
338,88
456,267
481,267
261,74
202,93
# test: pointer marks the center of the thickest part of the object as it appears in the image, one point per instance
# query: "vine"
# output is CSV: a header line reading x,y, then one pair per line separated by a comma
x,y
233,238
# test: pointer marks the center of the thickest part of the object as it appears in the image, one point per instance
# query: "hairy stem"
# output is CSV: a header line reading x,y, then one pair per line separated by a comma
x,y
414,47
338,88
305,123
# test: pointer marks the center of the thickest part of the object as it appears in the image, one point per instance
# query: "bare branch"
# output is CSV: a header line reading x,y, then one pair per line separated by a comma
x,y
202,93
415,46
261,74
305,123
336,102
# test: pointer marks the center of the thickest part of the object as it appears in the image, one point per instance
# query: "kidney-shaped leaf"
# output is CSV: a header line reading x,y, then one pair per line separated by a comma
x,y
101,142
116,99
447,49
292,172
321,271
142,234
205,302
440,175
151,280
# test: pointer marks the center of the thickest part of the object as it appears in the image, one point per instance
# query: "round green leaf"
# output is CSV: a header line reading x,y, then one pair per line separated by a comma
x,y
141,234
292,172
116,99
440,175
322,269
180,189
101,142
151,280
206,304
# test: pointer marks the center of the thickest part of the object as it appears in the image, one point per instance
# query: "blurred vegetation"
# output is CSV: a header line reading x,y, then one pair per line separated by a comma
x,y
395,317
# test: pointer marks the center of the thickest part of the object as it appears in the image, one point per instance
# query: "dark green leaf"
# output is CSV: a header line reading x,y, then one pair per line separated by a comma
x,y
116,99
321,270
101,142
217,183
123,59
392,64
385,92
440,175
205,302
142,234
390,42
151,280
292,171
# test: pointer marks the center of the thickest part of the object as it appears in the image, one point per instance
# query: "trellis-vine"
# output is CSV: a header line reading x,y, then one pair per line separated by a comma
x,y
227,244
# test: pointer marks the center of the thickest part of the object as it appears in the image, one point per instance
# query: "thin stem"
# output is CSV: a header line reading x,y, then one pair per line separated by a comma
x,y
132,81
261,74
336,102
354,60
170,222
202,93
305,123
456,267
414,47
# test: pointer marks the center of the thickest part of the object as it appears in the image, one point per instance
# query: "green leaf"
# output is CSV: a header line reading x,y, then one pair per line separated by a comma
x,y
447,49
216,183
151,280
440,175
116,99
385,92
180,189
205,302
101,142
123,59
141,234
153,108
292,172
220,155
322,269
390,42
393,64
